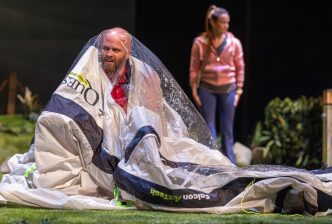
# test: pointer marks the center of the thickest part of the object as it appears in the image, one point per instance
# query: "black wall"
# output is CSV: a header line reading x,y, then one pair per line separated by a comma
x,y
286,43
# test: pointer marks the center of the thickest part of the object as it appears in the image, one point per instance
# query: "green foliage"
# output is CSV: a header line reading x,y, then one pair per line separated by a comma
x,y
16,133
291,132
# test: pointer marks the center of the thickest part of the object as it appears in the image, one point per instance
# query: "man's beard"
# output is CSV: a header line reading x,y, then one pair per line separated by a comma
x,y
115,72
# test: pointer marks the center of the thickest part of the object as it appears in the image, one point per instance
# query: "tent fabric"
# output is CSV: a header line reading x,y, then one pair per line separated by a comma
x,y
159,153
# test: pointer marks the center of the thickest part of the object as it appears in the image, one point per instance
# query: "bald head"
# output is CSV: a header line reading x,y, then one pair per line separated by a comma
x,y
115,49
121,35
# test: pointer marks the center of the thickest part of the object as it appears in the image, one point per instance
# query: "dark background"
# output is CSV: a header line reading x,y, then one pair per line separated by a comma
x,y
287,44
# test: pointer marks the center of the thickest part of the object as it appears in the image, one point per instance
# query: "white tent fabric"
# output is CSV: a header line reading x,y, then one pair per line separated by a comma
x,y
159,153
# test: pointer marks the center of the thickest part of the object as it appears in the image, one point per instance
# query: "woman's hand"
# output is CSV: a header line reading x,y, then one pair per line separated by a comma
x,y
196,98
237,96
237,99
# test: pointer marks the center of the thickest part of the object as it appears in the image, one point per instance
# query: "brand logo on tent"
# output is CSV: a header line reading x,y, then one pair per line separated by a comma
x,y
177,198
164,196
82,85
196,196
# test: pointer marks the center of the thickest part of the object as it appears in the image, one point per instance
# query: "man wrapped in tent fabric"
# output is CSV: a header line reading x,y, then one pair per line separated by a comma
x,y
78,143
120,118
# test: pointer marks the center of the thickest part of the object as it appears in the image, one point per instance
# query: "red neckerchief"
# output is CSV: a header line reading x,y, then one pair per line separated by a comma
x,y
118,92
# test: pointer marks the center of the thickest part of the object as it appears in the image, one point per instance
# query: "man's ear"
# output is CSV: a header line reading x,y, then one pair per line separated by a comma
x,y
128,54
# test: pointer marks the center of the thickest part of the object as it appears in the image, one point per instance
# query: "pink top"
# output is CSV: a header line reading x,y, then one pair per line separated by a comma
x,y
217,70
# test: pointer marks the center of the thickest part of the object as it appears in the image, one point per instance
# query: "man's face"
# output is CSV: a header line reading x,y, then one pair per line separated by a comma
x,y
113,54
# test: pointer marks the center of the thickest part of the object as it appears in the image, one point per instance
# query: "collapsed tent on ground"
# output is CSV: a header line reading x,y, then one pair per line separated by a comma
x,y
139,133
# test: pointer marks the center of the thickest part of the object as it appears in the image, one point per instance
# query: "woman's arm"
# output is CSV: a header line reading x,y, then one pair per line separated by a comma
x,y
239,66
194,78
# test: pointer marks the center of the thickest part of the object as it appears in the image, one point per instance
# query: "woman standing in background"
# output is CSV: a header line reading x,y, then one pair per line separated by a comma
x,y
217,75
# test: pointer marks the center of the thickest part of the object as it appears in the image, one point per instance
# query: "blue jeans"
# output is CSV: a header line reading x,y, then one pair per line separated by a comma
x,y
224,105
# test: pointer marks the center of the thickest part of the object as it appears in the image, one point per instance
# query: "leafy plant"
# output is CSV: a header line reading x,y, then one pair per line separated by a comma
x,y
31,104
291,132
